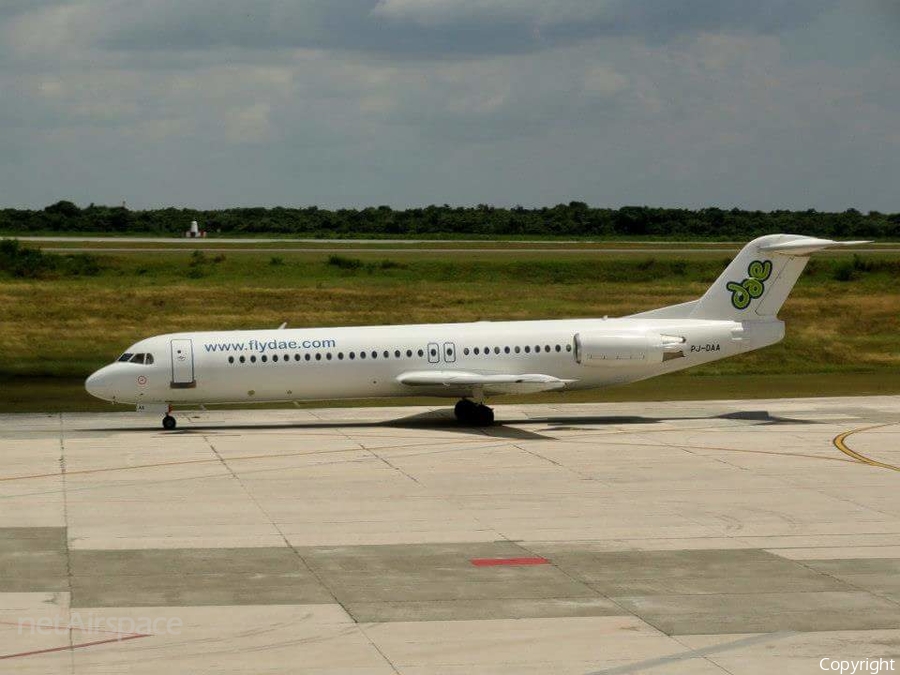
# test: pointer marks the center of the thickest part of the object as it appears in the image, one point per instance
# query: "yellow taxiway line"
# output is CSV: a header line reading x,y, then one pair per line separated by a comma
x,y
840,443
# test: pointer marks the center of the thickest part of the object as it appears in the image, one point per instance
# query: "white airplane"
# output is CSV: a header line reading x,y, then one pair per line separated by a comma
x,y
466,360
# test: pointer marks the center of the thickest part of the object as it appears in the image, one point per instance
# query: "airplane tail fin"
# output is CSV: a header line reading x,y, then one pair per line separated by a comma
x,y
758,281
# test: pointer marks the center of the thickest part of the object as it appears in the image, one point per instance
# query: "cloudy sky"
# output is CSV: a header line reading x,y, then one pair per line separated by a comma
x,y
210,103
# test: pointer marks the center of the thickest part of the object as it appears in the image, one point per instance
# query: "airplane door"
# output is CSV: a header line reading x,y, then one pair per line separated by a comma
x,y
434,352
449,352
182,364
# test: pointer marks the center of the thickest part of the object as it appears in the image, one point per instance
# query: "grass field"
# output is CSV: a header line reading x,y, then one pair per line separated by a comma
x,y
843,318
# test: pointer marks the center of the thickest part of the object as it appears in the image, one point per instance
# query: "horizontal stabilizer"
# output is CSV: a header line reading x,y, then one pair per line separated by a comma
x,y
503,384
806,245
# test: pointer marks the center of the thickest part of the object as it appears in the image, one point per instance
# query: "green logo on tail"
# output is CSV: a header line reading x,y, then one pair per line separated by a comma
x,y
752,287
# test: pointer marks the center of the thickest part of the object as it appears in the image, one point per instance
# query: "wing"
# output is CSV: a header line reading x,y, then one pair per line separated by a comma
x,y
496,384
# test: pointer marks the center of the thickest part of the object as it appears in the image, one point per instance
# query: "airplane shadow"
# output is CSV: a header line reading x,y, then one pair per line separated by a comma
x,y
443,420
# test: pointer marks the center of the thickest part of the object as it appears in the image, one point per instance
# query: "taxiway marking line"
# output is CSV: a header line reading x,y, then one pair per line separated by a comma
x,y
71,647
839,442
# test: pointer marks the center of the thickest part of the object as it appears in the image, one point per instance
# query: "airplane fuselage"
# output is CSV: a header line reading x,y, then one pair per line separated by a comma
x,y
369,361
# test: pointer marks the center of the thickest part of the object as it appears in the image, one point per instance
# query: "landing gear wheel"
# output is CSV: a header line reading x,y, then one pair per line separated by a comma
x,y
484,416
464,410
169,423
476,414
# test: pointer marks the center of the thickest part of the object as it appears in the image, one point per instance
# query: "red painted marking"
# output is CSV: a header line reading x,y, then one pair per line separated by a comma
x,y
494,562
78,646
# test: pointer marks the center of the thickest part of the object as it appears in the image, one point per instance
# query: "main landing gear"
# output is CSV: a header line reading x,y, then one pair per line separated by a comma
x,y
476,414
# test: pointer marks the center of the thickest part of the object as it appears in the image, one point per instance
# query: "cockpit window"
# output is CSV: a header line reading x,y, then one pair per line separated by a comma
x,y
146,359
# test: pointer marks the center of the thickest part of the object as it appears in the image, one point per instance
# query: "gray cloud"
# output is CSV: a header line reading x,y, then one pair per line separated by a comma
x,y
357,102
10,8
430,28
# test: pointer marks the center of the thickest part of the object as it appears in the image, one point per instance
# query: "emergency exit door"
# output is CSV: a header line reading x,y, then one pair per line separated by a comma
x,y
449,352
182,364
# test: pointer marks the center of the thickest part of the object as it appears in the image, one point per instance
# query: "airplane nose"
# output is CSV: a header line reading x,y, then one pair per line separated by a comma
x,y
98,385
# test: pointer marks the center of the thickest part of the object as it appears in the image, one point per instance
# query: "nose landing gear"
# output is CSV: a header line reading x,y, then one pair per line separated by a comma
x,y
169,422
474,414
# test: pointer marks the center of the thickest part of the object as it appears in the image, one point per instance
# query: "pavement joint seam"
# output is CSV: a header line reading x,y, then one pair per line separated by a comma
x,y
271,521
702,652
297,554
560,465
65,500
850,584
446,498
589,586
362,629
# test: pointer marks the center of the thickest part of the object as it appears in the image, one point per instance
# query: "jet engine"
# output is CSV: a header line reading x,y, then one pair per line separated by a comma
x,y
626,349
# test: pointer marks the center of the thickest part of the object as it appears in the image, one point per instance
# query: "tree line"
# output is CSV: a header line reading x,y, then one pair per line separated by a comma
x,y
575,219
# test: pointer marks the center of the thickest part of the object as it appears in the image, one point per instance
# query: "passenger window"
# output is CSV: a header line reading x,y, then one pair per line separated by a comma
x,y
125,357
230,359
375,354
352,355
477,351
362,355
433,352
546,348
242,359
558,348
252,359
409,353
297,357
568,348
307,357
340,356
328,356
466,351
496,350
274,358
264,358
397,353
420,353
527,349
518,350
506,350
318,356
